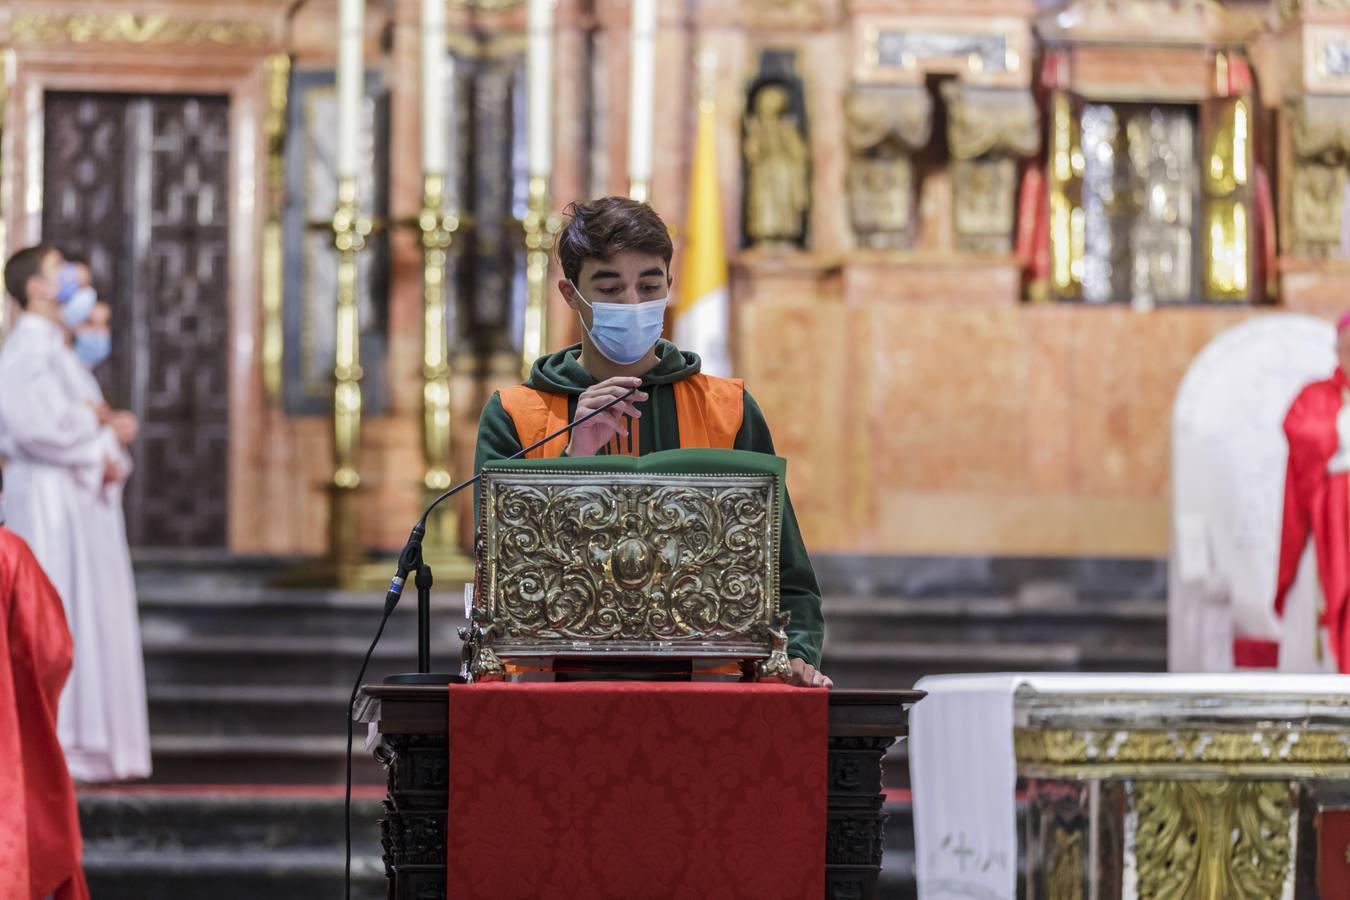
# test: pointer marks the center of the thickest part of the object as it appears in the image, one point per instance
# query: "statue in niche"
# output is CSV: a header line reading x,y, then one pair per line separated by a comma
x,y
778,192
884,127
1319,198
988,131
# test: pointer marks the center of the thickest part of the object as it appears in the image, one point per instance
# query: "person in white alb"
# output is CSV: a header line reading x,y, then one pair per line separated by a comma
x,y
65,464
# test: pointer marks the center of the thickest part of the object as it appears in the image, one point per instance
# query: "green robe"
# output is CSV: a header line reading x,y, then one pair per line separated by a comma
x,y
562,373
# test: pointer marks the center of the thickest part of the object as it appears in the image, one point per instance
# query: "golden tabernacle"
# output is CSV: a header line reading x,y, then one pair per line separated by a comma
x,y
596,559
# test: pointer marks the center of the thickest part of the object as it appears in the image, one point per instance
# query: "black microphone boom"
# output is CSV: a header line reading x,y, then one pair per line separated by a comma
x,y
411,553
410,560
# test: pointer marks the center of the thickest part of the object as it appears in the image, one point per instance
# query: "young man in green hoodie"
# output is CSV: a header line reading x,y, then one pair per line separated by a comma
x,y
615,255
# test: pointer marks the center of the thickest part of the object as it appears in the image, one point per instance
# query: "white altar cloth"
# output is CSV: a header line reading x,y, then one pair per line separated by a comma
x,y
963,770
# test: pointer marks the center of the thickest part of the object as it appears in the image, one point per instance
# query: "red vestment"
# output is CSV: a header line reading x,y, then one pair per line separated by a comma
x,y
1317,502
40,843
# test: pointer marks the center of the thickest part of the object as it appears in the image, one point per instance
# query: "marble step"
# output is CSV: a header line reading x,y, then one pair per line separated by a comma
x,y
212,842
996,619
281,659
195,817
237,710
227,874
262,759
899,664
198,607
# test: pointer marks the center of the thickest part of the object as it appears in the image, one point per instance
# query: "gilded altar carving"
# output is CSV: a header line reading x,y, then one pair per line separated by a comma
x,y
1110,748
983,121
988,131
1320,138
1065,869
278,68
1291,8
1212,839
1317,201
129,28
885,125
778,191
621,563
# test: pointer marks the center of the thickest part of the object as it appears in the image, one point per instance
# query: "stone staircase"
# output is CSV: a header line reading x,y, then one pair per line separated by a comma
x,y
248,686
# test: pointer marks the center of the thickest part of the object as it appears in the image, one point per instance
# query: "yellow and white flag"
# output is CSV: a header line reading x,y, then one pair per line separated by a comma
x,y
702,315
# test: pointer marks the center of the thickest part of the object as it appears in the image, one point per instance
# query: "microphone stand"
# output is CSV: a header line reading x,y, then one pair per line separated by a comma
x,y
410,561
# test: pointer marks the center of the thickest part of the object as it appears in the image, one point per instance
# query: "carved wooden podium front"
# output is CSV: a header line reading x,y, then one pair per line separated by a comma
x,y
413,747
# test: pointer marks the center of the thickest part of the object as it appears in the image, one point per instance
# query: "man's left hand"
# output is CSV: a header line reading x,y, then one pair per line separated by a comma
x,y
806,675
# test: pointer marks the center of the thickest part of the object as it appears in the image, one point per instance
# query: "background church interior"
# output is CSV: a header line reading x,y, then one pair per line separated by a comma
x,y
1025,220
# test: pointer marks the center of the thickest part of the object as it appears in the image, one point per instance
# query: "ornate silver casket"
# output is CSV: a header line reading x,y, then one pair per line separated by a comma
x,y
605,564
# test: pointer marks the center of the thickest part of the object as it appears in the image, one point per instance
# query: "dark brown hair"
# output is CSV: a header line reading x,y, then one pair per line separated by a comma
x,y
610,225
23,265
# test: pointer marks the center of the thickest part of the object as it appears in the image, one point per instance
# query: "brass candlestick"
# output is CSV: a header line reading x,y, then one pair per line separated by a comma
x,y
438,228
350,230
541,229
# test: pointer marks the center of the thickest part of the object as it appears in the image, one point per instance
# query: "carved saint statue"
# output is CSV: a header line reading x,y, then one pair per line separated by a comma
x,y
777,195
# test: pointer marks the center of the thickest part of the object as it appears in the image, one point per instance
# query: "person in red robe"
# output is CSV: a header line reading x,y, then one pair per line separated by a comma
x,y
1317,496
40,845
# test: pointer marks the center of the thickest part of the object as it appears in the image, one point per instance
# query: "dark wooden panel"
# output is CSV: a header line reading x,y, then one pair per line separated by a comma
x,y
140,185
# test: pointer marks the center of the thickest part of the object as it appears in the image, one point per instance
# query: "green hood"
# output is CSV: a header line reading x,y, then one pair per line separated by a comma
x,y
561,372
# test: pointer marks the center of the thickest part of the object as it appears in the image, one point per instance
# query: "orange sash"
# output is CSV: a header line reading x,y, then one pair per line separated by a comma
x,y
708,411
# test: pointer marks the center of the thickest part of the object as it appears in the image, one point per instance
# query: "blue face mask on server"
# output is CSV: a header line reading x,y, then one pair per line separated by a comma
x,y
624,332
93,347
76,302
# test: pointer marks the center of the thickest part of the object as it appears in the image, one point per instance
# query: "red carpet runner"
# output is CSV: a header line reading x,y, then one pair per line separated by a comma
x,y
639,791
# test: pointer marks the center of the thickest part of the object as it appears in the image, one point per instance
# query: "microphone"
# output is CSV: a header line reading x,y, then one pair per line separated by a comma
x,y
409,560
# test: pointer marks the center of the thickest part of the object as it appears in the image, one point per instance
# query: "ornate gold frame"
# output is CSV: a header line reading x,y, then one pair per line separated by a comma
x,y
614,564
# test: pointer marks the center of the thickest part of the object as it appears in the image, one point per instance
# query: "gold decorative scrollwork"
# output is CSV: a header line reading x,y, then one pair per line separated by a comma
x,y
884,126
1066,865
1106,747
621,563
278,68
982,121
1320,138
1212,839
987,131
487,5
129,28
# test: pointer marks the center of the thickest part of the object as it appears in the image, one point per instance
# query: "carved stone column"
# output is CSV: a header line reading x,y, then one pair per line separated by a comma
x,y
885,126
988,131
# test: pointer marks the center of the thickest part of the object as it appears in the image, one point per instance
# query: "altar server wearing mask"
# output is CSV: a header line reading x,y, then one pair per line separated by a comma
x,y
615,255
56,441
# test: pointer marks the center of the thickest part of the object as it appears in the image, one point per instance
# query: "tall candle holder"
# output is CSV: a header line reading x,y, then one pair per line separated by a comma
x,y
350,230
438,227
541,229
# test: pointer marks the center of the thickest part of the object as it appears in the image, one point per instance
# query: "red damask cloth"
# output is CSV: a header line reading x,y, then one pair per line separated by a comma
x,y
39,826
636,790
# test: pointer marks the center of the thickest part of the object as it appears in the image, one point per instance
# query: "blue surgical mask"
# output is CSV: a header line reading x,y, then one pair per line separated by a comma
x,y
67,282
93,347
624,332
76,309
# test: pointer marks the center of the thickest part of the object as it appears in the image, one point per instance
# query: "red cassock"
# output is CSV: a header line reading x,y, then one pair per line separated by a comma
x,y
40,843
1317,502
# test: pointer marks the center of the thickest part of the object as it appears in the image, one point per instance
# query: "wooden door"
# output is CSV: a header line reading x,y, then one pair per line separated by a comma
x,y
139,186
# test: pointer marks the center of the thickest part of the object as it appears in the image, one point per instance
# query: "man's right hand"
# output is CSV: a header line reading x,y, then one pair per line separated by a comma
x,y
589,438
112,472
124,425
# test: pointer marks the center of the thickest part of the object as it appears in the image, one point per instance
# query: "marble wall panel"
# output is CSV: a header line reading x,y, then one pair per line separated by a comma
x,y
951,393
937,428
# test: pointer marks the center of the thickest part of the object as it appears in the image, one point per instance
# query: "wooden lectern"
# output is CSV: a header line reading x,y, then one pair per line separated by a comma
x,y
412,725
637,567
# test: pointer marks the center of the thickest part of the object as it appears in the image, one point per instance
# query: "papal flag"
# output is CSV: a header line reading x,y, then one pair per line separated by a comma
x,y
703,312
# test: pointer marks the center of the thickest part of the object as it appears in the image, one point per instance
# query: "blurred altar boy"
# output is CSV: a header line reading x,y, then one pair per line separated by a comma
x,y
66,464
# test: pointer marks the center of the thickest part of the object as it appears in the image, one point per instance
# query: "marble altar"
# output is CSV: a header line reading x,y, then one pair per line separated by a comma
x,y
1177,786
